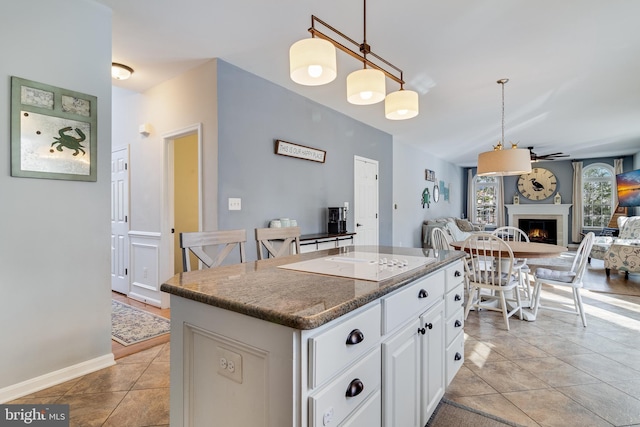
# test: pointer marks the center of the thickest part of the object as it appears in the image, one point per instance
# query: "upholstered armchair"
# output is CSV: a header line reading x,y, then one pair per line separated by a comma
x,y
623,254
627,226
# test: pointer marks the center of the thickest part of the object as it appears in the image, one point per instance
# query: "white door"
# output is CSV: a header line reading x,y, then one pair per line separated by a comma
x,y
120,221
365,211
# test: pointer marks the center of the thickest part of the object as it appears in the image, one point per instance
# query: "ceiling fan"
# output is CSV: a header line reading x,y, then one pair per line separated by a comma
x,y
552,156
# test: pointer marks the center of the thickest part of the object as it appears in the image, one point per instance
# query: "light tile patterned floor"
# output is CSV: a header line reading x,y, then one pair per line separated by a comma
x,y
551,372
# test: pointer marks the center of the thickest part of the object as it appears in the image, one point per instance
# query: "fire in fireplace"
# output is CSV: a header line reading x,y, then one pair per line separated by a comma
x,y
540,230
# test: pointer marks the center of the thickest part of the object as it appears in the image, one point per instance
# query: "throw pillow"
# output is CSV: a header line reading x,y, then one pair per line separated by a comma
x,y
464,225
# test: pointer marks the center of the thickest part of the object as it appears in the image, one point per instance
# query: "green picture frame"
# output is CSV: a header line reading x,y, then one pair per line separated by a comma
x,y
53,132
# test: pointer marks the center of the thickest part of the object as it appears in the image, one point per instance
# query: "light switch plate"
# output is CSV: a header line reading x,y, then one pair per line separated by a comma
x,y
235,203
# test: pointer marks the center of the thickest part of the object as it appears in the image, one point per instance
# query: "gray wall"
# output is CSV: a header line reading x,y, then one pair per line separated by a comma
x,y
409,164
54,251
252,113
563,170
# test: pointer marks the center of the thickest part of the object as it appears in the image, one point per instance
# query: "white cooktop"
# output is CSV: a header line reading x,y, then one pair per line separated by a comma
x,y
361,265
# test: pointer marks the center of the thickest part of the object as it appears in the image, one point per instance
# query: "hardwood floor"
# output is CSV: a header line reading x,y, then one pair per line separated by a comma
x,y
120,350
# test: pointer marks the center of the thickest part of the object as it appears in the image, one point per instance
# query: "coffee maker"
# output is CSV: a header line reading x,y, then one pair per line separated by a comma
x,y
337,220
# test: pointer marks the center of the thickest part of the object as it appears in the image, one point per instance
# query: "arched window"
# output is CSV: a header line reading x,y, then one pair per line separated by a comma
x,y
598,184
485,202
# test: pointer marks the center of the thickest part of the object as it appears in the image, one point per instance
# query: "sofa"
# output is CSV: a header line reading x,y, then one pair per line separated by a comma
x,y
459,229
621,253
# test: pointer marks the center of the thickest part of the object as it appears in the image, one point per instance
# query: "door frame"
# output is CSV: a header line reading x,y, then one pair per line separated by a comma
x,y
167,221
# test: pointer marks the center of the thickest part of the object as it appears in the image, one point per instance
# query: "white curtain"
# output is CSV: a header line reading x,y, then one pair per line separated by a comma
x,y
470,197
576,222
500,216
617,169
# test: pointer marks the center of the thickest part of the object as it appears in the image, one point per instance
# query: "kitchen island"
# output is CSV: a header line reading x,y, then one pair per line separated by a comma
x,y
266,343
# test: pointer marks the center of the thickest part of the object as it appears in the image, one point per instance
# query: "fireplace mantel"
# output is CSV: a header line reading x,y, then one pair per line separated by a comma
x,y
543,211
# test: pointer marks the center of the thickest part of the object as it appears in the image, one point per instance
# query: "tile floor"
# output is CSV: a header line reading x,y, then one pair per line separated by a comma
x,y
551,372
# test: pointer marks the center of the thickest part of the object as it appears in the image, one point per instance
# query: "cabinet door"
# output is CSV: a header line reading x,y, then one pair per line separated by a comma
x,y
432,351
401,385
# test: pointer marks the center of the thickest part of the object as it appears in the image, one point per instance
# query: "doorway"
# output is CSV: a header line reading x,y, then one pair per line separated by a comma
x,y
365,211
182,194
120,221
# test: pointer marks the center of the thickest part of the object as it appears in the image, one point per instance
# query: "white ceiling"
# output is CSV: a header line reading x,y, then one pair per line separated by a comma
x,y
573,65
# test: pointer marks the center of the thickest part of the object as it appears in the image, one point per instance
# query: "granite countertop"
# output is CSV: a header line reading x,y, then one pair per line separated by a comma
x,y
293,298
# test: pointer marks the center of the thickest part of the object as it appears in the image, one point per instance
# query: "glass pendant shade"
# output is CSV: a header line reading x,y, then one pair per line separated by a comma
x,y
366,86
510,161
401,105
312,62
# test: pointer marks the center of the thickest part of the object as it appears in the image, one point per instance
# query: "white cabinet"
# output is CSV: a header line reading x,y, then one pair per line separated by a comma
x,y
454,314
383,364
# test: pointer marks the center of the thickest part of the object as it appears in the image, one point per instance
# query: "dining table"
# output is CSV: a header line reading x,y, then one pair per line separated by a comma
x,y
524,250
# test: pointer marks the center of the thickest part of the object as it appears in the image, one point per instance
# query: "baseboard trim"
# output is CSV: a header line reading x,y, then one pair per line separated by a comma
x,y
51,379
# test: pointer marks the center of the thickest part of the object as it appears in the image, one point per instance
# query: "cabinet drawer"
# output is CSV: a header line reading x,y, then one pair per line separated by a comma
x,y
369,414
454,325
411,300
454,357
454,275
342,344
331,404
454,300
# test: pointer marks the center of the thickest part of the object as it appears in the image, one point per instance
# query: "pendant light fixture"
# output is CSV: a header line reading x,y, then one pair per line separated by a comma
x,y
312,62
504,161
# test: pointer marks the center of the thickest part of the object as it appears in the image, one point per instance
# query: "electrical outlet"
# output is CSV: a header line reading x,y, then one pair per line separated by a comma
x,y
229,364
235,203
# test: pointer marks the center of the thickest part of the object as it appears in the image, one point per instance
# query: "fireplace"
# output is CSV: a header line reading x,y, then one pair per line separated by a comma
x,y
540,230
559,213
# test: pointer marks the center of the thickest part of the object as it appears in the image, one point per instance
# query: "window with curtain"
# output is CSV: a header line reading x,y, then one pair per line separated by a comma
x,y
486,200
598,185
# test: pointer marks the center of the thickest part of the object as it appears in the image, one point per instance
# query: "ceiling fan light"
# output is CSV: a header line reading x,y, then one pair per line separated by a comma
x,y
401,105
312,62
511,161
120,71
366,86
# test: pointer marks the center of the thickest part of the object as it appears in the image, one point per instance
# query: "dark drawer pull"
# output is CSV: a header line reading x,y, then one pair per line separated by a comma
x,y
423,293
457,324
355,337
429,325
457,297
457,357
355,388
457,274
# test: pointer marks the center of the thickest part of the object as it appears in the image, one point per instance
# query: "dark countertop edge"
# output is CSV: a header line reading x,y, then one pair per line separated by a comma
x,y
308,322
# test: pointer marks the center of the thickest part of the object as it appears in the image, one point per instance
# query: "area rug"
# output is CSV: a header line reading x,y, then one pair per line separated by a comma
x,y
452,414
130,325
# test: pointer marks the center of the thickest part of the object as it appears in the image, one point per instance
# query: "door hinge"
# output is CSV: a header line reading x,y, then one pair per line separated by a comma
x,y
126,271
126,218
173,230
376,216
126,166
376,177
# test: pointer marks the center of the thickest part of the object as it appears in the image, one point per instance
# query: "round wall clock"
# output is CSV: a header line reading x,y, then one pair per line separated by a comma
x,y
539,184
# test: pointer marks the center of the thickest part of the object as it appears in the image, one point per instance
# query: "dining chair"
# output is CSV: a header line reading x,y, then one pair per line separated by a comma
x,y
284,239
490,268
571,278
510,233
440,239
195,242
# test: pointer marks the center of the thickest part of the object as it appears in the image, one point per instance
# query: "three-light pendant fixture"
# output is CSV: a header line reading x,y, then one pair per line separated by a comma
x,y
312,62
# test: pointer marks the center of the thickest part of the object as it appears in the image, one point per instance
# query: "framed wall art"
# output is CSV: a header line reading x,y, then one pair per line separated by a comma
x,y
53,132
290,149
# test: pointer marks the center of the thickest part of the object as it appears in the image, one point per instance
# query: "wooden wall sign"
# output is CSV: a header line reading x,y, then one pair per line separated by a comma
x,y
290,149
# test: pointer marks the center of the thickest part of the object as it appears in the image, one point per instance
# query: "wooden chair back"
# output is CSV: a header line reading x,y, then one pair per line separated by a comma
x,y
286,237
440,239
224,240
